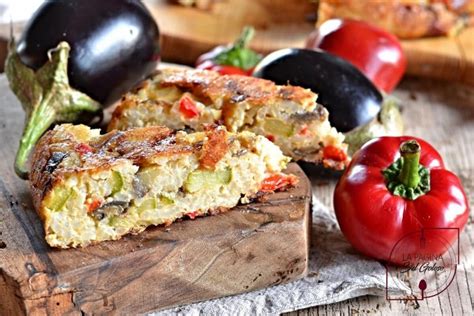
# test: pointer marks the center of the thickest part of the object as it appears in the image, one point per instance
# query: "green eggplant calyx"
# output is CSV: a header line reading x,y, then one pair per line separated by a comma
x,y
46,97
406,177
238,54
388,122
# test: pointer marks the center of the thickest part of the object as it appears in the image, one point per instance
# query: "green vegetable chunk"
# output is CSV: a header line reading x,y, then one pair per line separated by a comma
x,y
166,200
59,198
152,203
278,127
148,204
205,179
117,182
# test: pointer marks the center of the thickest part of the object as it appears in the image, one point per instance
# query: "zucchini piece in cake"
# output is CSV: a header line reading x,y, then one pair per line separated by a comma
x,y
89,187
287,115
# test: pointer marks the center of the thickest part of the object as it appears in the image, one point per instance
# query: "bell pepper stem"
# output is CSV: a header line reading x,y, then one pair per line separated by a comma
x,y
406,177
245,37
410,152
238,54
40,119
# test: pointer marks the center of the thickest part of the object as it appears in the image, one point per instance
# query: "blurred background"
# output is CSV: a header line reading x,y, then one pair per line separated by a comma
x,y
14,10
435,38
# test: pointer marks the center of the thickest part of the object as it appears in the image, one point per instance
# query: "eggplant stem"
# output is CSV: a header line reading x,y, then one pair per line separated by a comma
x,y
38,122
46,97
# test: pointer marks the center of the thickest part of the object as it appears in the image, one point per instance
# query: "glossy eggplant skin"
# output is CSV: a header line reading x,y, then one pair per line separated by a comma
x,y
351,99
114,43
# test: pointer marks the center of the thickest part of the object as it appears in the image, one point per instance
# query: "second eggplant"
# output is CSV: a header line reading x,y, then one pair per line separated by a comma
x,y
351,99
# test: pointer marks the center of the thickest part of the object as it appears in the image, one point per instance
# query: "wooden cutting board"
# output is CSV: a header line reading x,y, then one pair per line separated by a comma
x,y
188,32
247,248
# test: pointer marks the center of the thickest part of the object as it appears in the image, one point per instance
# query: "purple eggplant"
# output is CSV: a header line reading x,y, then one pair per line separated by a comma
x,y
351,99
76,57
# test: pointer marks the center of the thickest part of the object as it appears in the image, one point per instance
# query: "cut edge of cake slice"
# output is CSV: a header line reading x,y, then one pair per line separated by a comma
x,y
287,115
89,187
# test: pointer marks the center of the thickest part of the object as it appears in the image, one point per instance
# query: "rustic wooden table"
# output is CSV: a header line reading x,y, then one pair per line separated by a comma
x,y
443,114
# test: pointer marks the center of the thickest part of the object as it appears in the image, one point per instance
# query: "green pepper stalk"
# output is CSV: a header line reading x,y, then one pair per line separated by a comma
x,y
46,97
410,151
239,55
236,58
406,177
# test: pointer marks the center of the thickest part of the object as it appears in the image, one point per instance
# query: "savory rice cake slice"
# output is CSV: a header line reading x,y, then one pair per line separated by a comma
x,y
89,187
287,115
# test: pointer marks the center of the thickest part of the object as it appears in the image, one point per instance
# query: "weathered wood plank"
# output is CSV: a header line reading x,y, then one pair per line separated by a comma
x,y
439,112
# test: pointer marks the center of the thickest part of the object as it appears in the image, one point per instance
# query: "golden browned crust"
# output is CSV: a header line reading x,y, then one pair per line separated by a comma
x,y
237,102
139,145
404,18
61,152
214,148
232,88
64,151
40,180
118,112
224,92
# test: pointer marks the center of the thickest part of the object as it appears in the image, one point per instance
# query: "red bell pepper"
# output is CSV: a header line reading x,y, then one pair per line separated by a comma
x,y
396,186
235,59
277,182
377,53
334,153
93,204
83,148
188,108
193,215
222,69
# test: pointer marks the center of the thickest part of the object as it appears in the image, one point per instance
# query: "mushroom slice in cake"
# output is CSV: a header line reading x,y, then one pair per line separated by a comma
x,y
89,187
287,115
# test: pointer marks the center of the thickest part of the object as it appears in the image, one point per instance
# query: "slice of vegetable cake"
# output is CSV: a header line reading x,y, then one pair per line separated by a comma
x,y
89,187
287,115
